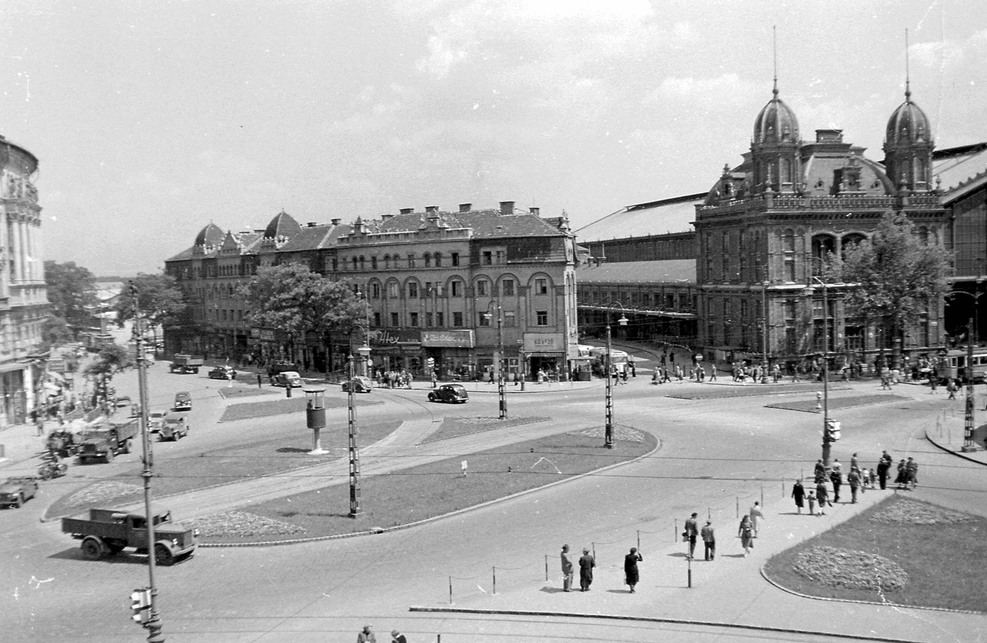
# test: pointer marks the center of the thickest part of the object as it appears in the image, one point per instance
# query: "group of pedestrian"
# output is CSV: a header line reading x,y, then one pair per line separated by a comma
x,y
367,635
393,379
859,479
586,564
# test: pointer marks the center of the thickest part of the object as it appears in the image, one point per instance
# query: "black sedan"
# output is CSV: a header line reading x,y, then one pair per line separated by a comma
x,y
452,393
223,373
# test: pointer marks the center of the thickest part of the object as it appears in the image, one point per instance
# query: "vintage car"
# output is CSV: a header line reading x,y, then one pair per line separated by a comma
x,y
452,393
110,531
123,402
222,373
359,384
155,420
183,401
175,426
287,379
16,491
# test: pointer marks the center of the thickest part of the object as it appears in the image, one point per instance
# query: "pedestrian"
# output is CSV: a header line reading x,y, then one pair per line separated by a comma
x,y
853,462
911,474
822,493
586,565
631,575
691,533
798,492
435,380
566,569
819,473
654,376
900,478
366,635
951,389
853,479
398,637
712,372
756,516
746,534
812,502
260,381
837,479
709,541
40,424
933,382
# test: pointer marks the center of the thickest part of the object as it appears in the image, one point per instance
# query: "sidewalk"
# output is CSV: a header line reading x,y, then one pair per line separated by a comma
x,y
948,435
728,590
20,448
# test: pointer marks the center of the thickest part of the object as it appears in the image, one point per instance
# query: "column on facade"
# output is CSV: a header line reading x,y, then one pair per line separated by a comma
x,y
18,258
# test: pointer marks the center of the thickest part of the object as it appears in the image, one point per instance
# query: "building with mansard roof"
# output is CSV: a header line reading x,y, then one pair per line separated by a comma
x,y
451,289
23,298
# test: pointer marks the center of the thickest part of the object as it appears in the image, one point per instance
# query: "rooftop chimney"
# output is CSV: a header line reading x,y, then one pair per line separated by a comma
x,y
336,221
386,217
312,224
465,207
507,207
533,210
407,210
432,209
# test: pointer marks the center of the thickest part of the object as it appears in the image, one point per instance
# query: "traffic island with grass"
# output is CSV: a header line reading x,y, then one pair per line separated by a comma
x,y
427,491
901,551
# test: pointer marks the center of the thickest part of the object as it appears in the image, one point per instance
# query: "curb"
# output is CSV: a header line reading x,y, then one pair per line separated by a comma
x,y
654,619
951,451
383,530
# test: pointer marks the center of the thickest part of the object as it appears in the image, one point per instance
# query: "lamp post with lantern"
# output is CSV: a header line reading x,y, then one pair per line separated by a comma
x,y
499,361
608,427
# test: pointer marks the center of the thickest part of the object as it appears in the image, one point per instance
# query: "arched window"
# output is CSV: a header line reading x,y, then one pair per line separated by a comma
x,y
438,260
428,260
387,262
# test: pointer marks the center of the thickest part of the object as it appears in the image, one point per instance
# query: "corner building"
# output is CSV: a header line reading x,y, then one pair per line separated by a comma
x,y
765,226
23,298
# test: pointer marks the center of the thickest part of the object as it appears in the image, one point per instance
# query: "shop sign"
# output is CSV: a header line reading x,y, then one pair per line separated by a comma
x,y
393,337
544,343
448,338
267,334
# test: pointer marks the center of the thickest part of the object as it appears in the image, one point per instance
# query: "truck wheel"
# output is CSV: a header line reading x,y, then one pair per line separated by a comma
x,y
114,547
162,555
109,456
92,548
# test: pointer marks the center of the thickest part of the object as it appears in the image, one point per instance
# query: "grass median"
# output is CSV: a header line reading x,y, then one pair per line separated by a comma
x,y
429,490
901,551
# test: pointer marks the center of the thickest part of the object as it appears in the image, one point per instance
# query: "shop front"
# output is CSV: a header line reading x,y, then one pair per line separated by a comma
x,y
547,356
397,350
452,352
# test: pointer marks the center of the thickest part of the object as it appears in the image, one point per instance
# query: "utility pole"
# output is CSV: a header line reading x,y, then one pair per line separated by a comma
x,y
155,635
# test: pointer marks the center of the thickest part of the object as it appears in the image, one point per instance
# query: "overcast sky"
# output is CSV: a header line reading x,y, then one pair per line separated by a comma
x,y
151,119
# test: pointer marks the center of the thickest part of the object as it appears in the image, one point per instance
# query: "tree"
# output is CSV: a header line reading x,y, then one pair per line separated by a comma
x,y
296,301
71,293
110,360
160,299
896,278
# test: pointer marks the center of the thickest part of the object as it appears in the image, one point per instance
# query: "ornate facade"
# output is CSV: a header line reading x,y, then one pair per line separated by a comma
x,y
23,299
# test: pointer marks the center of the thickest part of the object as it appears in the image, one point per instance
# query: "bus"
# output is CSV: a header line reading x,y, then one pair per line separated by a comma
x,y
954,364
618,359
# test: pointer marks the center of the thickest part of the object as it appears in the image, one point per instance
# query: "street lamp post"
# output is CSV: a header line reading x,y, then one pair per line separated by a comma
x,y
764,333
608,427
827,441
968,419
501,390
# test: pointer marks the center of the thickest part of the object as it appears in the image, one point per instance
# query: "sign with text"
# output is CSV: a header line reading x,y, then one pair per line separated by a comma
x,y
382,337
448,338
544,343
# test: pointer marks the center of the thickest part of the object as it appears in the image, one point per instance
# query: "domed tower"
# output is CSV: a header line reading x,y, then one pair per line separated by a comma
x,y
908,146
775,148
209,237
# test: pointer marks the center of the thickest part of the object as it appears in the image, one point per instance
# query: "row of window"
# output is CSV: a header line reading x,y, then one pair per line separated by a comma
x,y
681,301
456,288
438,319
429,259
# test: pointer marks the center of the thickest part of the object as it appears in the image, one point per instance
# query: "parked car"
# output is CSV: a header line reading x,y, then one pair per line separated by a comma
x,y
123,402
360,384
223,373
155,420
175,426
183,401
287,379
16,491
452,393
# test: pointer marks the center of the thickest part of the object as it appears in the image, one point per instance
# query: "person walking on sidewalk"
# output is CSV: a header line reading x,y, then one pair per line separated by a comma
x,y
883,466
746,534
398,637
822,493
798,492
691,533
951,389
586,565
853,479
812,502
566,569
911,474
366,635
756,516
837,479
631,575
709,541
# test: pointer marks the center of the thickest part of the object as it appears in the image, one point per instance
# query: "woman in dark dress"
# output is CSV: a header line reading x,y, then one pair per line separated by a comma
x,y
631,560
798,492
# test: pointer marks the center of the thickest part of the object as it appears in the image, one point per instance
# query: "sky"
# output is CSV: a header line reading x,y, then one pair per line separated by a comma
x,y
152,119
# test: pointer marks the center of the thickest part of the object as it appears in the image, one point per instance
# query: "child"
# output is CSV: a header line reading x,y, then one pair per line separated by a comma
x,y
812,502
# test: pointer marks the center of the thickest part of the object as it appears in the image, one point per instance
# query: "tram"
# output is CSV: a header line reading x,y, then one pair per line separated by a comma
x,y
954,364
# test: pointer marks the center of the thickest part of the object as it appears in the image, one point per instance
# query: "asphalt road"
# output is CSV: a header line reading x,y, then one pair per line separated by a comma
x,y
716,454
